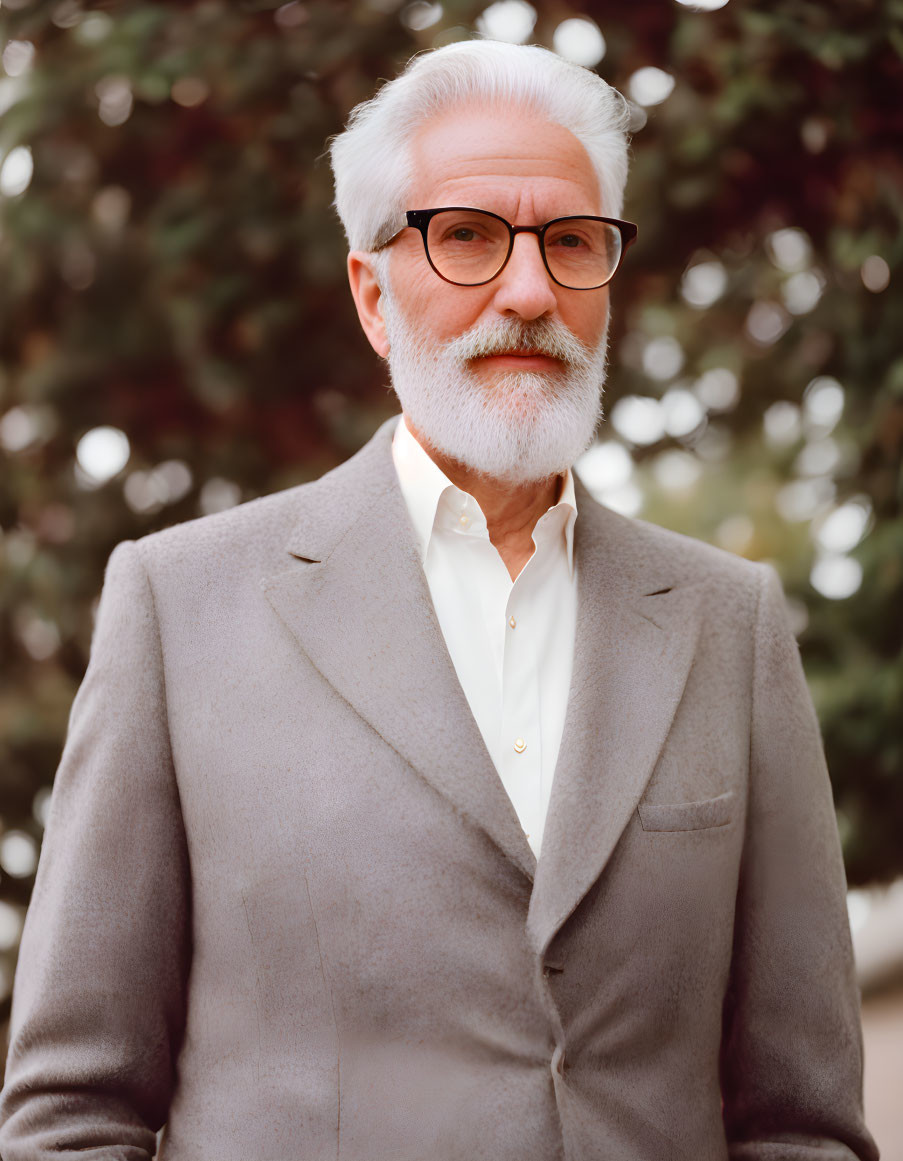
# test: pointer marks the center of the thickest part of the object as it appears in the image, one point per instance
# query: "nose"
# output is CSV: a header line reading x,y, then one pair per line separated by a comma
x,y
524,287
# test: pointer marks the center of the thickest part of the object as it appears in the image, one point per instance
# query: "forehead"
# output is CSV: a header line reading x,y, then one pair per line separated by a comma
x,y
511,161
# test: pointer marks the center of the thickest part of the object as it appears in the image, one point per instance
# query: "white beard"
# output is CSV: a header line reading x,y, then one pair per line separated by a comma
x,y
520,428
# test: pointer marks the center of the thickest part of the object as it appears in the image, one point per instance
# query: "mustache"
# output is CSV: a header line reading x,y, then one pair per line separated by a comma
x,y
536,336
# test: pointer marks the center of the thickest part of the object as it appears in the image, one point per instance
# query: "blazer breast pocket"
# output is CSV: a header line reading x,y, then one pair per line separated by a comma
x,y
701,815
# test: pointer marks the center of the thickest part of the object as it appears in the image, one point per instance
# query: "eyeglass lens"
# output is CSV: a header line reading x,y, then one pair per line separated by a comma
x,y
468,247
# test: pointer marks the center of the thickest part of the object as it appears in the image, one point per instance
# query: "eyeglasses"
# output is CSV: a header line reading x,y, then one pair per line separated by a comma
x,y
469,247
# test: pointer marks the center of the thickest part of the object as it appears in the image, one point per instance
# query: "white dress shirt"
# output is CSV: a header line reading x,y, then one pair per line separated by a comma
x,y
511,643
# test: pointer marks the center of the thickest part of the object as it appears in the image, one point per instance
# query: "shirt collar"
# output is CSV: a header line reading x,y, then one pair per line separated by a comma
x,y
424,484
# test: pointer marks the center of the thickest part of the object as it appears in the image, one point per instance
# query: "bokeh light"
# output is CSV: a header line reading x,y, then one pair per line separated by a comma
x,y
217,495
16,171
17,57
580,40
421,15
189,92
149,491
682,410
110,208
823,401
67,13
12,89
801,291
607,464
39,635
650,86
676,471
40,807
703,283
782,423
817,457
663,358
639,419
607,469
766,322
18,429
92,28
291,15
511,20
627,499
115,96
18,854
836,577
801,500
875,274
790,249
102,453
717,389
840,530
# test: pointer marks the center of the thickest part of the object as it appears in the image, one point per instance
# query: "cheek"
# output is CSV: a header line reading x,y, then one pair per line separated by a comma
x,y
438,308
587,317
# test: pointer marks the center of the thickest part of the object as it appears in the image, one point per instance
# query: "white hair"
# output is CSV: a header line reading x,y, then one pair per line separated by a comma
x,y
371,159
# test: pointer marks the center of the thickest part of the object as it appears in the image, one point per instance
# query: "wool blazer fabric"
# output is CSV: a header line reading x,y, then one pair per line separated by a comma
x,y
285,907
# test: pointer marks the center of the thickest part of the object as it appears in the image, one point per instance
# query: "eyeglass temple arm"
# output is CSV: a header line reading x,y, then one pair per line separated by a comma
x,y
388,232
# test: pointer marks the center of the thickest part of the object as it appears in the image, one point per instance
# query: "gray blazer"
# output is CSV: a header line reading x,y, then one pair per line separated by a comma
x,y
286,908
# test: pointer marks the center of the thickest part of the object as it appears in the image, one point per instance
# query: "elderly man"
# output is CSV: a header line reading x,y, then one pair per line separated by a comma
x,y
432,811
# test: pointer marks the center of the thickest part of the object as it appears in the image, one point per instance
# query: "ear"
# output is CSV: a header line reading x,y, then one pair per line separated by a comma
x,y
368,299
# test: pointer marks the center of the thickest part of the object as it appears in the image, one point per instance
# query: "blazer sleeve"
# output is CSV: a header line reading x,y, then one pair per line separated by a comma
x,y
99,993
791,1054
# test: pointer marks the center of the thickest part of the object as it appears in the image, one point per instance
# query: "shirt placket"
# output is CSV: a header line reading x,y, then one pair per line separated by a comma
x,y
521,735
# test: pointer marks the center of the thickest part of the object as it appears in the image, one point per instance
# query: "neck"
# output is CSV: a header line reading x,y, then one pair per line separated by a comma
x,y
511,510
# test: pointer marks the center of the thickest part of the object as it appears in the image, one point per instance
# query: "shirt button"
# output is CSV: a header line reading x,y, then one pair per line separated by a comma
x,y
512,622
519,745
463,520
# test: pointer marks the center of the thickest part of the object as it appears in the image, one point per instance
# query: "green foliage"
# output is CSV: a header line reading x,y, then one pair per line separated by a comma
x,y
174,270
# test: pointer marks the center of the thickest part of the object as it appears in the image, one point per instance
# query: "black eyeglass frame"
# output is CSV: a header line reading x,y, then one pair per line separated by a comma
x,y
420,220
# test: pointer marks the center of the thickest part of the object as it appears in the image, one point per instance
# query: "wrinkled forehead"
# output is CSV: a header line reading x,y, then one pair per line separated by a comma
x,y
516,158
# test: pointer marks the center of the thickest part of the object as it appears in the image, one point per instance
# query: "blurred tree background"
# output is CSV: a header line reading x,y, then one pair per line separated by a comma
x,y
176,334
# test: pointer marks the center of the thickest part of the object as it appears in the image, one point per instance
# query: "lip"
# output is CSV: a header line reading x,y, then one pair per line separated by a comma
x,y
526,361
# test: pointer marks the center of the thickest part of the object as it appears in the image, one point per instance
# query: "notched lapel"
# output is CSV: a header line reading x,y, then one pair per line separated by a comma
x,y
358,603
634,648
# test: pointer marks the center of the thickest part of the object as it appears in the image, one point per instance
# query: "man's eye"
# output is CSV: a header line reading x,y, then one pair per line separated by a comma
x,y
571,240
464,234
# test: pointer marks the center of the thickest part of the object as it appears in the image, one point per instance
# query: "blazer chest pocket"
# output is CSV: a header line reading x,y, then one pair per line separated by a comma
x,y
701,815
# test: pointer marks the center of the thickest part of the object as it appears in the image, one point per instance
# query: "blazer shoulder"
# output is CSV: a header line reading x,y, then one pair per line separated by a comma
x,y
699,556
260,529
687,559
